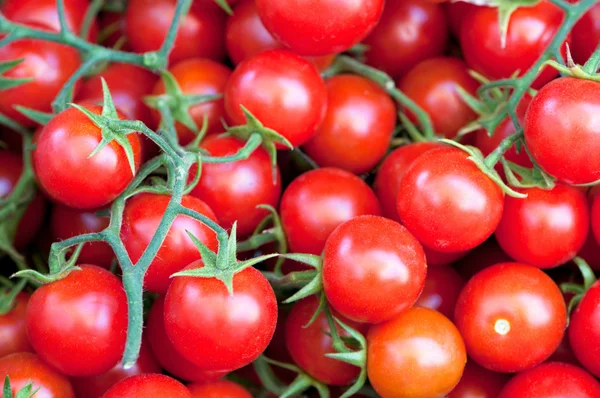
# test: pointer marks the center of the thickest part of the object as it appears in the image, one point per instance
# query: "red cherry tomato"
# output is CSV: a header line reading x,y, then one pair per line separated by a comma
x,y
141,218
217,330
410,31
512,317
316,202
282,90
319,27
440,292
586,35
428,355
218,389
483,256
148,386
24,367
369,276
358,125
13,337
78,324
478,382
584,327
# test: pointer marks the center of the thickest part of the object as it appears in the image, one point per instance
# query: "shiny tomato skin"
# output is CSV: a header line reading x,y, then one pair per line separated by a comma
x,y
584,327
148,386
478,382
63,167
441,289
308,345
545,229
78,324
217,330
24,367
218,389
433,197
562,111
316,202
369,276
282,90
319,27
586,35
429,355
512,317
409,32
141,218
13,332
233,190
200,34
357,128
432,84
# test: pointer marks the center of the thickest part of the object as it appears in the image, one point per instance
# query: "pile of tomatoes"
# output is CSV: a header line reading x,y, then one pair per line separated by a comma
x,y
369,198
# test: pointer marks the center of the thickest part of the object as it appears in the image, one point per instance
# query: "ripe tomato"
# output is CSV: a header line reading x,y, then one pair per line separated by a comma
x,y
369,276
148,386
429,355
563,112
409,32
316,202
440,292
319,27
308,345
512,317
218,389
358,125
63,166
483,256
141,218
78,324
282,90
447,202
478,382
13,337
586,35
24,367
584,327
200,34
545,229
217,330
233,190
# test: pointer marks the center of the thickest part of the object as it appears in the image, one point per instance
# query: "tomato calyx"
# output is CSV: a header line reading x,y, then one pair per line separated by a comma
x,y
527,178
60,267
505,10
579,290
588,71
301,383
27,391
315,285
10,82
224,6
7,297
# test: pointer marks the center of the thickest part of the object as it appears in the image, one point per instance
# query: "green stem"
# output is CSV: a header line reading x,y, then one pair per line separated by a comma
x,y
90,15
507,143
65,94
591,66
180,10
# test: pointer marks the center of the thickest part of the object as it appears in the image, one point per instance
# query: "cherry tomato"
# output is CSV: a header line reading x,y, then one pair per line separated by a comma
x,y
308,345
316,202
282,90
13,333
78,324
584,327
63,166
219,389
483,256
217,330
141,218
319,27
410,31
586,35
447,202
24,367
512,317
429,355
234,189
563,112
148,386
545,229
440,292
478,382
358,125
369,276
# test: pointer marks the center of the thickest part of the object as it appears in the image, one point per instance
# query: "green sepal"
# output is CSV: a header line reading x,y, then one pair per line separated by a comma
x,y
42,279
301,383
505,10
572,69
7,298
529,178
412,130
6,389
27,391
39,117
9,82
224,6
579,291
316,284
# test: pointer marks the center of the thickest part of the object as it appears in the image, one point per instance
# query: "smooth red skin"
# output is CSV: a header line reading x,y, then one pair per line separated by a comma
x,y
456,13
78,324
24,367
410,31
357,128
552,380
198,76
282,90
66,223
319,27
148,386
13,333
201,33
217,330
96,386
545,229
584,328
586,35
530,30
234,189
316,202
528,300
63,167
369,276
478,382
308,345
141,218
483,256
447,203
563,112
440,292
419,353
433,85
219,389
